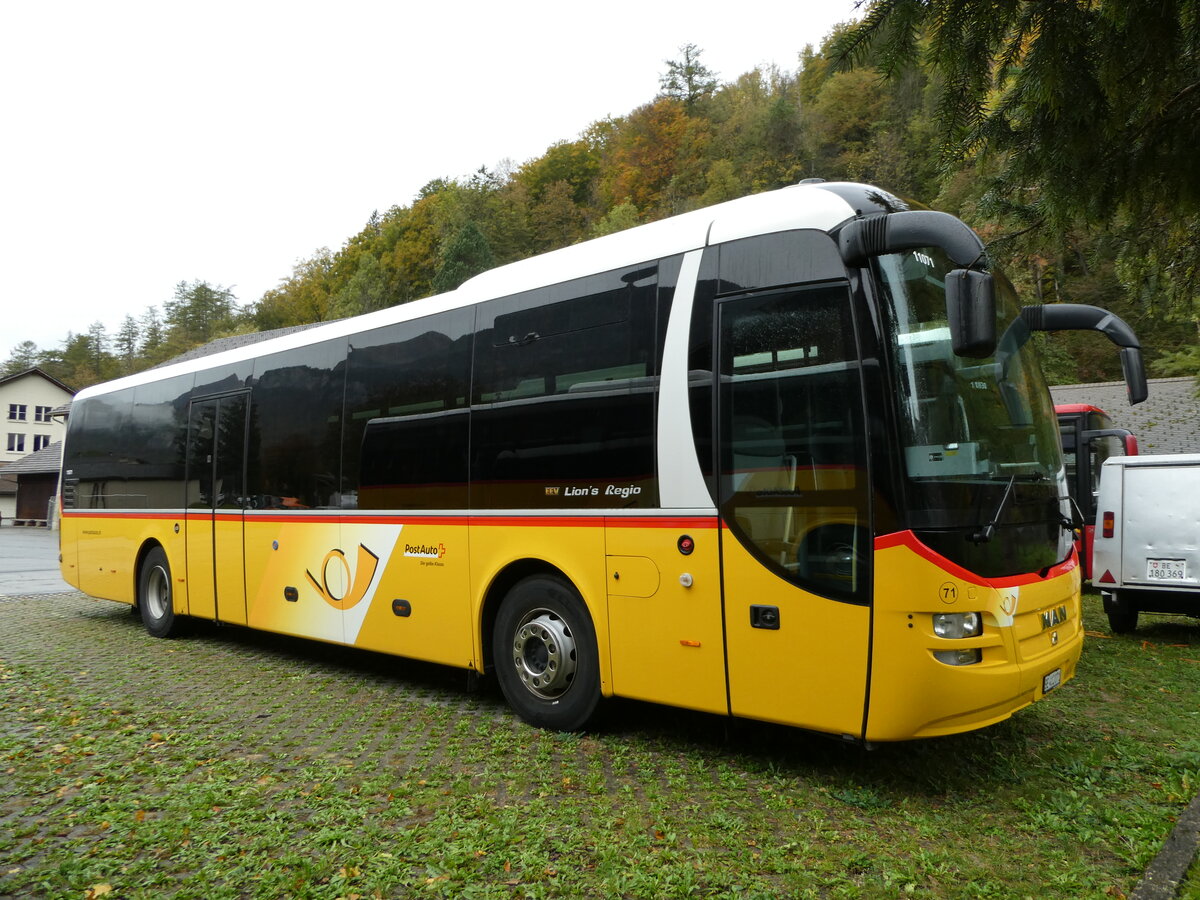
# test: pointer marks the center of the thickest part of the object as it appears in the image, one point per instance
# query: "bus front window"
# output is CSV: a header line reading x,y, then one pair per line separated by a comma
x,y
979,440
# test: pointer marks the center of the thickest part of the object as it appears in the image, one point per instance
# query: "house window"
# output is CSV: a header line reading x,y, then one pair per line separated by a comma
x,y
41,414
16,413
40,442
16,443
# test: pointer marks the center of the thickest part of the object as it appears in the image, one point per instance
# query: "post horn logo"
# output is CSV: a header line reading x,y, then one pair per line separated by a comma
x,y
336,586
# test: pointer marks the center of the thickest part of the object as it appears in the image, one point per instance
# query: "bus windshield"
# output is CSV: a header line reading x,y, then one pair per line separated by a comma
x,y
978,437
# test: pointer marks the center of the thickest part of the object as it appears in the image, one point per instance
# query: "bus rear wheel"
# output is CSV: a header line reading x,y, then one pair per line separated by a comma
x,y
544,648
155,600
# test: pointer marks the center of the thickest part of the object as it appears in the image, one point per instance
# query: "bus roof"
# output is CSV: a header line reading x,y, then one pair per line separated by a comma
x,y
821,206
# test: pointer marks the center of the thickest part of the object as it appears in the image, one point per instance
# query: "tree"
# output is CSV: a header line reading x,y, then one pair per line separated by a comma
x,y
303,298
126,343
197,312
1092,110
618,219
97,348
467,254
643,156
23,356
688,80
152,334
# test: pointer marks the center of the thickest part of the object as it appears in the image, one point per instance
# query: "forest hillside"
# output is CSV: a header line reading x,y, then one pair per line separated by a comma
x,y
1033,166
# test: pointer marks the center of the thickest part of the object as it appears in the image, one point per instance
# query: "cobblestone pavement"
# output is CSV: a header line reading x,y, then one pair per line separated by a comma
x,y
408,745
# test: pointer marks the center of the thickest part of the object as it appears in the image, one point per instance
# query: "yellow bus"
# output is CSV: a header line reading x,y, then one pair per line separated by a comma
x,y
789,458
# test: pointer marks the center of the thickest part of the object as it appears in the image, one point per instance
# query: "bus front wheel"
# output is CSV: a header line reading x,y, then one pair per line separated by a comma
x,y
155,597
544,648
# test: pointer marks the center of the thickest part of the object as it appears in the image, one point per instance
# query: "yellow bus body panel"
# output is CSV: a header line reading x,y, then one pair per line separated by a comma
x,y
422,605
812,671
99,553
573,545
664,613
230,569
1032,629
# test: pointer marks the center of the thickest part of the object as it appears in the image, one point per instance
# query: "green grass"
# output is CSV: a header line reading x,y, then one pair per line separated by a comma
x,y
233,764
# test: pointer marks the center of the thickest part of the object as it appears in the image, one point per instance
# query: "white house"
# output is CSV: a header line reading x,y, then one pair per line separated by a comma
x,y
26,425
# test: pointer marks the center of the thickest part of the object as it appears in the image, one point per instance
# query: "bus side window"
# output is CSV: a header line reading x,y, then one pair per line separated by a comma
x,y
407,390
99,433
563,399
295,428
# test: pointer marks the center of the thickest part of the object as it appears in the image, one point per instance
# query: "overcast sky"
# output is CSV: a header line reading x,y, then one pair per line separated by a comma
x,y
148,143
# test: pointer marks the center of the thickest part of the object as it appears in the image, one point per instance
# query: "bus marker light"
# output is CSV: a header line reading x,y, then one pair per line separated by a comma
x,y
290,594
958,657
402,608
687,643
686,545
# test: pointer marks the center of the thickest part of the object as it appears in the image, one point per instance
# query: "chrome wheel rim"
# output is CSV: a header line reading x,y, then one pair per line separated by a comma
x,y
544,654
158,592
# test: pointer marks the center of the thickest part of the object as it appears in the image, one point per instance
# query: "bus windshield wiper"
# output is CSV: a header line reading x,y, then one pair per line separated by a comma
x,y
984,534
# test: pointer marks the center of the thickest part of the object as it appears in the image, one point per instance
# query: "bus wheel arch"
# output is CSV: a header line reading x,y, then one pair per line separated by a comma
x,y
543,647
154,596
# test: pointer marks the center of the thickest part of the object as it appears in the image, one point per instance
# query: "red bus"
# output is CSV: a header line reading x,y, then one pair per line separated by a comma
x,y
1088,439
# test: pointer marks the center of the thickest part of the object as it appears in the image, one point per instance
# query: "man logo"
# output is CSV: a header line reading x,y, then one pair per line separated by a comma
x,y
1053,617
336,586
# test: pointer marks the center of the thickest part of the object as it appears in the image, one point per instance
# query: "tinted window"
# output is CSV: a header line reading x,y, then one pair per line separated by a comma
x,y
565,380
406,432
294,457
216,453
94,464
794,473
158,435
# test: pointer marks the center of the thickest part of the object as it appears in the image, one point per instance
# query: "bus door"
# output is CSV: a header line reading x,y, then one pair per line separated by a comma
x,y
795,534
216,477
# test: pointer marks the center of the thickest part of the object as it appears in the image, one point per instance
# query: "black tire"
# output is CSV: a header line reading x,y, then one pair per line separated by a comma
x,y
155,597
1122,612
544,650
1123,620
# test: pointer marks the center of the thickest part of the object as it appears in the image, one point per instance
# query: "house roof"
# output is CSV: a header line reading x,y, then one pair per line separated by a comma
x,y
36,371
1167,421
48,459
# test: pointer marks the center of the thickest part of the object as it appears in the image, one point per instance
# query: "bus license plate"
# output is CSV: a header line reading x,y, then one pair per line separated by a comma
x,y
1166,570
1051,681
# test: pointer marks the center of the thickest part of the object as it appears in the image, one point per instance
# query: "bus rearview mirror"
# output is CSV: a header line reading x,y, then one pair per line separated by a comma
x,y
1135,374
971,311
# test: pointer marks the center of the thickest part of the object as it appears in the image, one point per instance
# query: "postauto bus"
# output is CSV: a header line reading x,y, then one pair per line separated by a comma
x,y
789,458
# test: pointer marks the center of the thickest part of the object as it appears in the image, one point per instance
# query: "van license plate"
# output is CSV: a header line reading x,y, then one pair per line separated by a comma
x,y
1051,681
1166,570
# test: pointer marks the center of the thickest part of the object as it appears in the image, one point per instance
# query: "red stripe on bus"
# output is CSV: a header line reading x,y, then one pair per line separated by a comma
x,y
527,521
910,540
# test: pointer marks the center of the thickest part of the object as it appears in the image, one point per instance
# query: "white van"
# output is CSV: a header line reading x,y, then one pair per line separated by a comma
x,y
1147,545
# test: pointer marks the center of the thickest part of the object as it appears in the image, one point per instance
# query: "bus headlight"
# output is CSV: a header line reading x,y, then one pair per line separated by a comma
x,y
957,625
